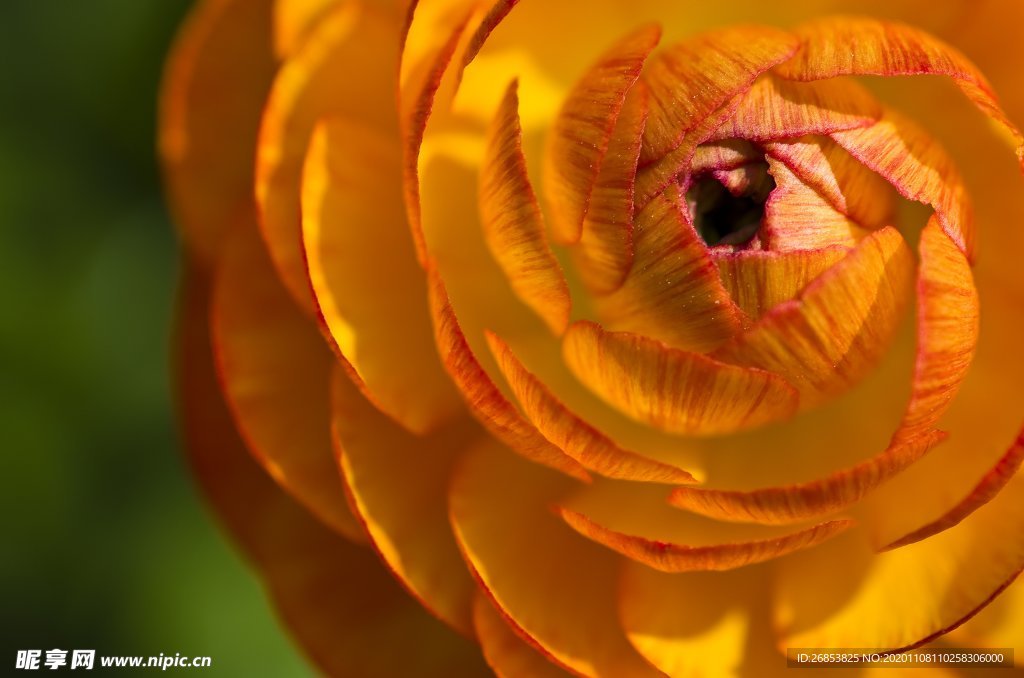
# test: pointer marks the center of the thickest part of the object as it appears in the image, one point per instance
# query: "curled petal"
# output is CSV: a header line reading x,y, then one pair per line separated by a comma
x,y
990,485
692,79
304,91
671,389
506,652
274,367
804,501
356,239
860,46
485,401
918,168
668,557
579,139
605,251
577,438
512,220
398,484
760,280
828,338
673,292
774,108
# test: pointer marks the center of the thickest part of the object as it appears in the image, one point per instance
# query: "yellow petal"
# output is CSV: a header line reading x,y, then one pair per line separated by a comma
x,y
319,80
369,289
336,599
673,292
485,401
579,139
828,338
1000,624
759,280
544,578
398,484
211,98
274,365
674,390
577,438
604,254
509,655
512,220
691,79
804,501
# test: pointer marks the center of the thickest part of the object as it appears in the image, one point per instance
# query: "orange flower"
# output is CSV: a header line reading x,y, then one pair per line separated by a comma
x,y
633,339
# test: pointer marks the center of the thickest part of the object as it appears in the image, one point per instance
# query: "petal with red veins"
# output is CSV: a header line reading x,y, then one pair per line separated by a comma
x,y
829,337
692,79
728,154
990,485
398,484
339,604
918,168
671,557
273,366
797,217
512,221
306,89
212,95
804,501
671,389
760,280
673,292
947,327
542,576
913,594
485,400
604,253
579,139
862,46
577,438
506,653
369,290
847,185
774,108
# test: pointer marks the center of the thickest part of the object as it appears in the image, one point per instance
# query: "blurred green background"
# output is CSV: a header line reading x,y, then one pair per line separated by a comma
x,y
107,544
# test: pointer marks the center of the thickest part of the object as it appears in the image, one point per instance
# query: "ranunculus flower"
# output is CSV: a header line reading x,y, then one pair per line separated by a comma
x,y
630,338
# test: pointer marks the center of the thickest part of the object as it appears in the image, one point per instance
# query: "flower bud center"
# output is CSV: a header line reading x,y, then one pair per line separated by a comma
x,y
729,209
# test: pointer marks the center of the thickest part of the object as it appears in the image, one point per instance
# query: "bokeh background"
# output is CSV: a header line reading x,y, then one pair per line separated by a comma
x,y
106,544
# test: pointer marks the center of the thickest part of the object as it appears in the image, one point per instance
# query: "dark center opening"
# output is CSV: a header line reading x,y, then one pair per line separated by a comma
x,y
724,217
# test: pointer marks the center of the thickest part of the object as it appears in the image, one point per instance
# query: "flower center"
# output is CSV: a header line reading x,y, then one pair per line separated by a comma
x,y
728,208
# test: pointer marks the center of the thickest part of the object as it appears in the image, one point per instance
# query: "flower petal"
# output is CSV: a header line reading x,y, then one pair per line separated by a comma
x,y
1001,624
918,168
671,389
834,46
506,653
485,401
581,133
368,287
398,484
673,292
212,94
544,578
990,485
306,89
692,79
512,220
339,604
774,108
947,322
804,501
828,338
910,595
604,253
760,280
273,366
669,557
577,438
